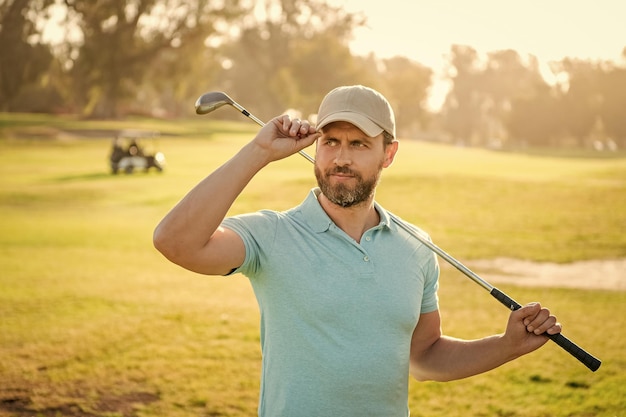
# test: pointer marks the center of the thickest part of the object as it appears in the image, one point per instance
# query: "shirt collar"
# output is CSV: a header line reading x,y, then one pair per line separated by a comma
x,y
319,221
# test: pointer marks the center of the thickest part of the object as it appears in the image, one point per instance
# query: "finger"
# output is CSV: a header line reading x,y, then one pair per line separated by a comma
x,y
296,124
543,322
307,140
528,315
306,129
286,121
557,328
528,312
536,324
291,126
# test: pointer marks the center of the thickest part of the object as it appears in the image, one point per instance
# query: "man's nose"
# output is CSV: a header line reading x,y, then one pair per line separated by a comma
x,y
342,156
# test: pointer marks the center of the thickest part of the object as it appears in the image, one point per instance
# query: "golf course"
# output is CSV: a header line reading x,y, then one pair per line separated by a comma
x,y
95,322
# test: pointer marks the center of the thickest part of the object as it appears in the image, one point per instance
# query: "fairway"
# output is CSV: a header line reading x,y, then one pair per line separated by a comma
x,y
94,322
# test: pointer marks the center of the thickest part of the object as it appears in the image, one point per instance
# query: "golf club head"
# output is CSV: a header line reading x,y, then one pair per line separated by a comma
x,y
208,102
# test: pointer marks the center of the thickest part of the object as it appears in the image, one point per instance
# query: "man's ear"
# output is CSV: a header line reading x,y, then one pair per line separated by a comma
x,y
390,153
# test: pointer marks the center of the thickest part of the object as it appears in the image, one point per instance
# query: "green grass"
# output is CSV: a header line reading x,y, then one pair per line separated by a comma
x,y
94,322
479,203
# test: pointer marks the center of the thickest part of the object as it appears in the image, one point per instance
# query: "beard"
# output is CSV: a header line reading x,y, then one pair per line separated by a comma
x,y
342,194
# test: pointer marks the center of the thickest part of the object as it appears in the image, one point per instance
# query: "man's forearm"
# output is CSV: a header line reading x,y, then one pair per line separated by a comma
x,y
449,358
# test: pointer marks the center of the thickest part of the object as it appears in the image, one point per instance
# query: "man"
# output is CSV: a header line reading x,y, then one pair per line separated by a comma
x,y
348,299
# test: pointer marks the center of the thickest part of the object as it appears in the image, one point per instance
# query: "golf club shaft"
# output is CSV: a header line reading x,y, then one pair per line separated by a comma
x,y
584,357
260,123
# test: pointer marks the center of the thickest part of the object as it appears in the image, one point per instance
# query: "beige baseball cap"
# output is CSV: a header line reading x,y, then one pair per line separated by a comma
x,y
362,106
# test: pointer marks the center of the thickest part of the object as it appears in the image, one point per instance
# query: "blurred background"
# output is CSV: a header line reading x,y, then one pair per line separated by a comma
x,y
481,73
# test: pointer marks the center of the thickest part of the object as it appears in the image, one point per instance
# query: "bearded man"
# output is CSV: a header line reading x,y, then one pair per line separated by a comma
x,y
348,299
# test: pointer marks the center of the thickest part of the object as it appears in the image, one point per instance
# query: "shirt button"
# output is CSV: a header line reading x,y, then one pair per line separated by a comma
x,y
366,258
368,238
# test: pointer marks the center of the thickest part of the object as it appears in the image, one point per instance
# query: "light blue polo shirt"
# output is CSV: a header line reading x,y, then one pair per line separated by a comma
x,y
337,316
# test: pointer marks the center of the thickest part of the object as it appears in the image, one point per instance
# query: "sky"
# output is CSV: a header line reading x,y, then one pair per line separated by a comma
x,y
424,30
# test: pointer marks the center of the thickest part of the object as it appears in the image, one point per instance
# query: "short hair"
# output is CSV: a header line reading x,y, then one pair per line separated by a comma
x,y
387,138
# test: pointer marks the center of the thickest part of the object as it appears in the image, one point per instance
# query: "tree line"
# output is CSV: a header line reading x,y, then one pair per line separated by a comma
x,y
155,57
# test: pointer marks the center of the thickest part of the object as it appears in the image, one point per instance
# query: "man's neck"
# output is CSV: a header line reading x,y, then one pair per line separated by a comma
x,y
354,220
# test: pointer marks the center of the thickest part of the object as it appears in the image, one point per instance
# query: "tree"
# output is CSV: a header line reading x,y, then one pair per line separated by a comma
x,y
535,119
581,99
291,56
176,77
507,78
461,109
406,87
122,38
320,64
613,91
24,57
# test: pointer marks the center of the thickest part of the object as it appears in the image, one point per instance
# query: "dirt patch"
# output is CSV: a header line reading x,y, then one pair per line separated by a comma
x,y
595,274
125,404
17,403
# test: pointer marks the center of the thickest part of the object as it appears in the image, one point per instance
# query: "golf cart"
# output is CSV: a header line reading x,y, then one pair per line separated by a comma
x,y
129,152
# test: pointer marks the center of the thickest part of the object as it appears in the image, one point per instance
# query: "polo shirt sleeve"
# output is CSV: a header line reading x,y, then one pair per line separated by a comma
x,y
430,269
427,262
258,232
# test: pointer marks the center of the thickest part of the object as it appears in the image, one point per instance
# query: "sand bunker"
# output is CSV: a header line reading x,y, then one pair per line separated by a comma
x,y
595,274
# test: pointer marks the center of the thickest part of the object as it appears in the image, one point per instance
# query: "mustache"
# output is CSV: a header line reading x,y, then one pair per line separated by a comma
x,y
341,170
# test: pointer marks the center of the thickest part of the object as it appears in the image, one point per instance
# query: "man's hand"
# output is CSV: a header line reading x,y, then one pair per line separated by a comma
x,y
527,327
283,136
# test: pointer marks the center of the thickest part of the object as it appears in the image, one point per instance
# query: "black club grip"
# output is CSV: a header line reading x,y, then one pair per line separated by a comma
x,y
572,348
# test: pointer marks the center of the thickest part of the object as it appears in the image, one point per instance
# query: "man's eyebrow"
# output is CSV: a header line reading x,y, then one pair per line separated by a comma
x,y
364,139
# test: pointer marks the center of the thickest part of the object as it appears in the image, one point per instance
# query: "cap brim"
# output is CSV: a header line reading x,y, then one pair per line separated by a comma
x,y
368,127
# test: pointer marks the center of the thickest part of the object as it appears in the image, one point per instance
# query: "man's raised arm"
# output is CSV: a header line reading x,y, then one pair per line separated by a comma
x,y
190,234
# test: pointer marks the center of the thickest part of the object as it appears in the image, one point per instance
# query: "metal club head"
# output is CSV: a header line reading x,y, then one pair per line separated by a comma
x,y
211,101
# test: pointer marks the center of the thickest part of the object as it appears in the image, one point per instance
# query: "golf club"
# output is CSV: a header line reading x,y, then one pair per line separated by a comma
x,y
213,100
216,99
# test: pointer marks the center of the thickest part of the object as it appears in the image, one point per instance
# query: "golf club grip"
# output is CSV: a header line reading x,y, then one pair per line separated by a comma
x,y
572,348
